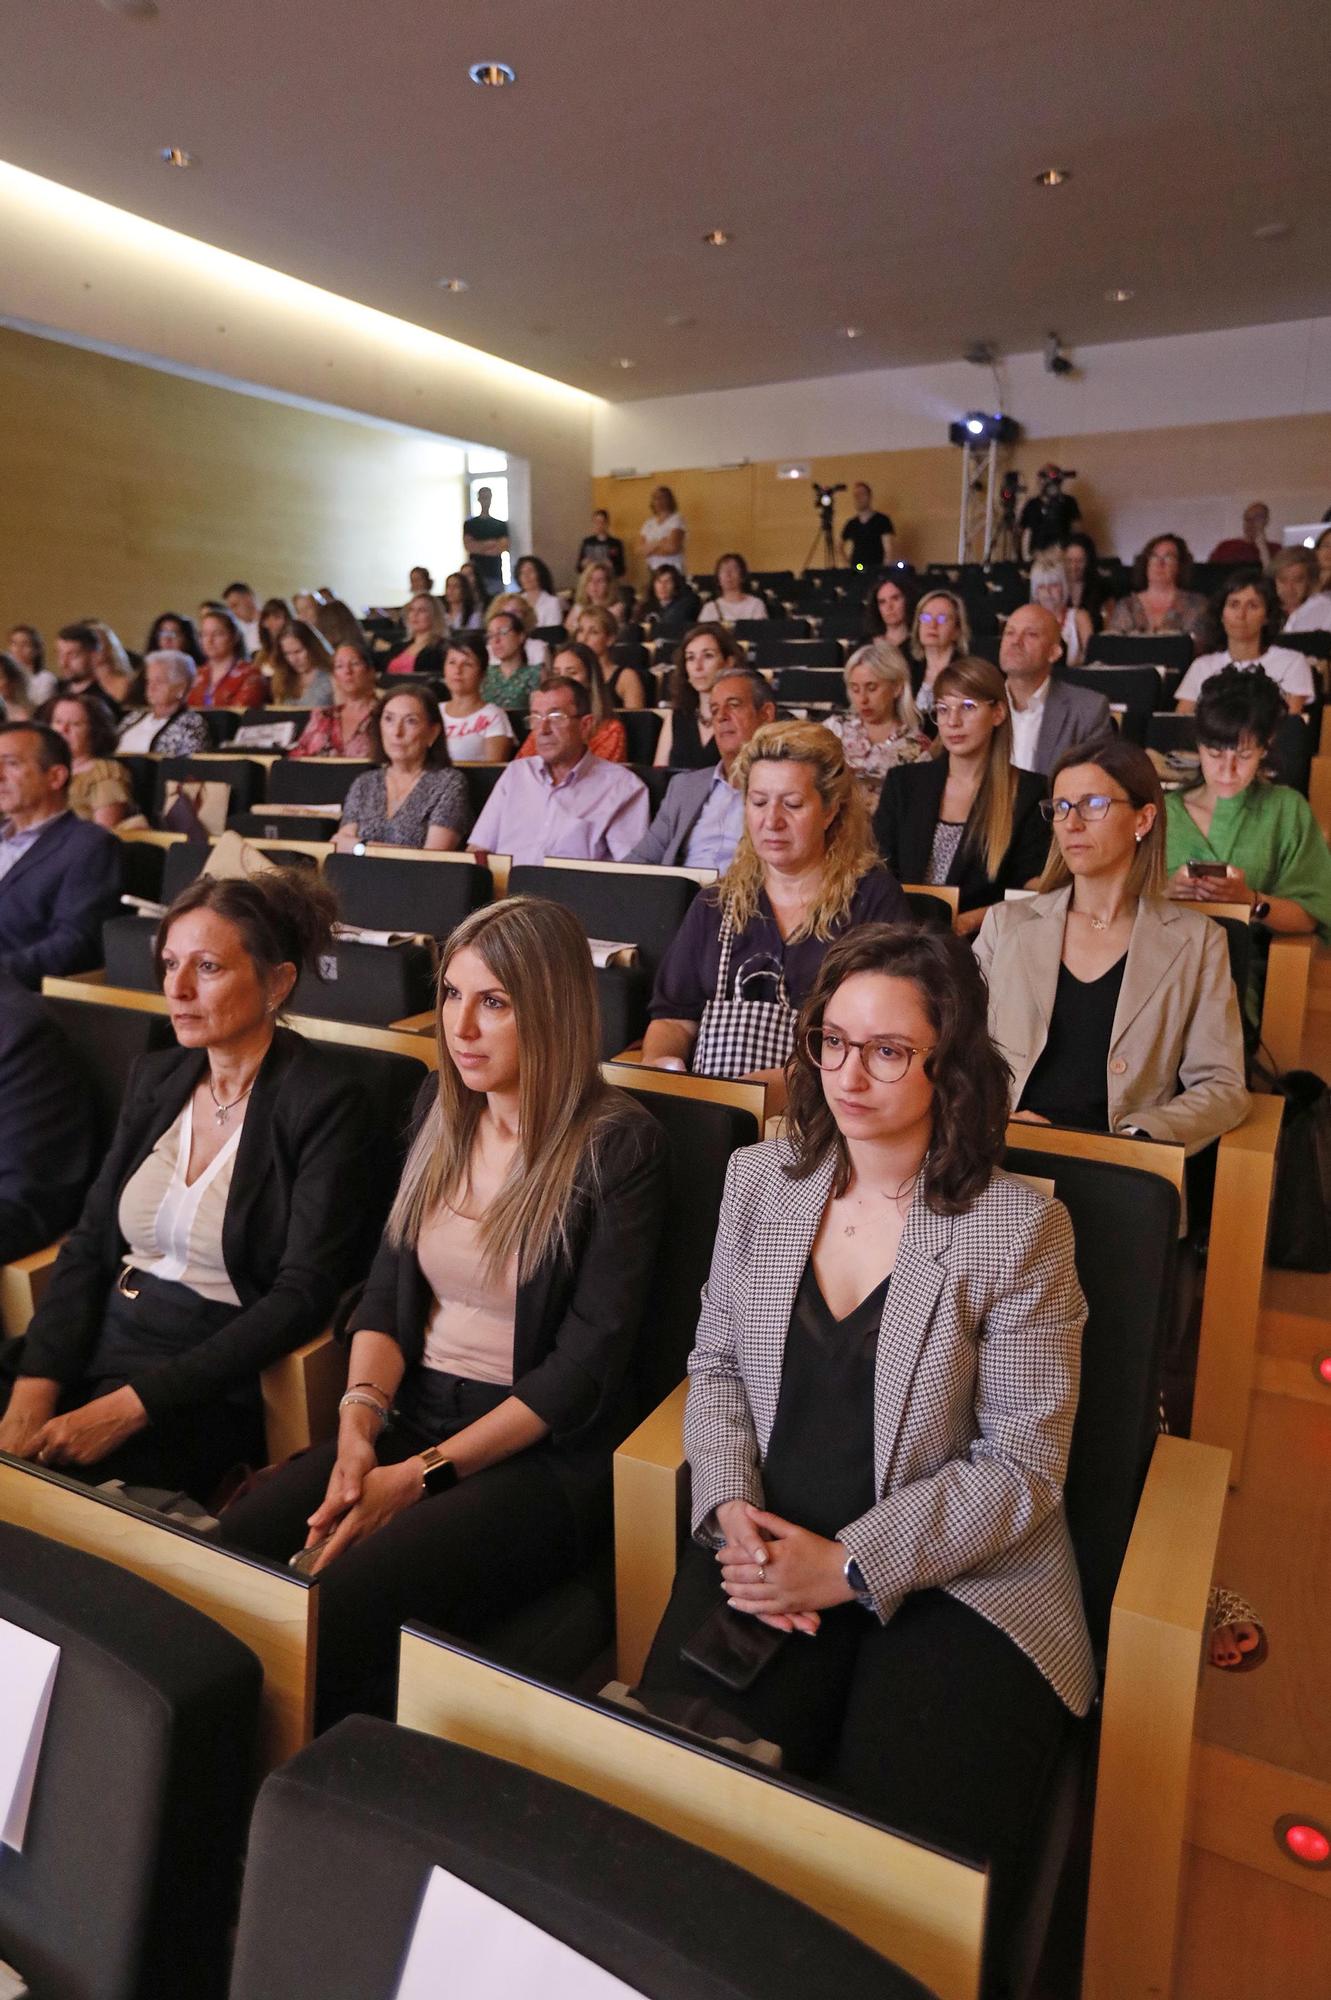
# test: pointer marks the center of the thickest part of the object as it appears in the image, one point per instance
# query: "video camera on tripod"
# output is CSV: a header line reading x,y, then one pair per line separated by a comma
x,y
825,497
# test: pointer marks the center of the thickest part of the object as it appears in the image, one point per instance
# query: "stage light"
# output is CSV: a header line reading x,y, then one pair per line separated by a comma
x,y
982,427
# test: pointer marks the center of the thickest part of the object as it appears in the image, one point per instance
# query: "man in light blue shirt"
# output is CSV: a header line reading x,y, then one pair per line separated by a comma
x,y
702,815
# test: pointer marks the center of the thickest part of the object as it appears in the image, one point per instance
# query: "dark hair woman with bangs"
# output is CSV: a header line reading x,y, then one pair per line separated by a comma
x,y
881,1400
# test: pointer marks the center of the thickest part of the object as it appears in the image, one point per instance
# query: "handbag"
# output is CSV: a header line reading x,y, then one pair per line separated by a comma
x,y
1301,1195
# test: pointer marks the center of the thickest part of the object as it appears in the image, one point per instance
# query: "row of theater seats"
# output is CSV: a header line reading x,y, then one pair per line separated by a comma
x,y
1144,1513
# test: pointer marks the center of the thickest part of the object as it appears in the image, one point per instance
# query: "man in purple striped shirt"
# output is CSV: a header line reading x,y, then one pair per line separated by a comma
x,y
563,803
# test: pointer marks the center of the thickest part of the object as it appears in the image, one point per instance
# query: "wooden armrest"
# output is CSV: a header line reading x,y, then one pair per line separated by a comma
x,y
651,1517
300,1396
1157,1633
21,1286
1285,1001
1232,1299
415,1024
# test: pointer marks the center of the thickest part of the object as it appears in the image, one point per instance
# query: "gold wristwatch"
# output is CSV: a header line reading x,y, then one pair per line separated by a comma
x,y
438,1471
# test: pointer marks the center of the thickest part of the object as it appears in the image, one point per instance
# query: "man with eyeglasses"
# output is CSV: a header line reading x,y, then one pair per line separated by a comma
x,y
1048,716
702,815
563,803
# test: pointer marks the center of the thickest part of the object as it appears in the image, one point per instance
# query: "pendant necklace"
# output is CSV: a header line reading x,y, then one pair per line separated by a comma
x,y
222,1111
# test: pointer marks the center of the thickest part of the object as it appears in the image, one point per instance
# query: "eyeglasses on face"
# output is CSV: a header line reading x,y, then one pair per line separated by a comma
x,y
959,709
559,717
1095,805
936,617
886,1061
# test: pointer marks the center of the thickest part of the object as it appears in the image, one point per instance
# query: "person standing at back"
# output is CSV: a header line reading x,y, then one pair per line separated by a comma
x,y
485,538
868,539
601,545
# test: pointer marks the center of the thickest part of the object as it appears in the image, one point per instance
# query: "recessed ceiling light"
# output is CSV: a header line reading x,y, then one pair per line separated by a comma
x,y
451,284
1118,295
678,320
493,74
1271,232
623,361
176,156
716,239
851,332
133,10
1053,177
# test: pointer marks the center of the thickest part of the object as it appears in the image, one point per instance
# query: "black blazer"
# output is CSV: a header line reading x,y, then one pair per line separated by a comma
x,y
46,1139
301,1204
577,1316
907,815
55,899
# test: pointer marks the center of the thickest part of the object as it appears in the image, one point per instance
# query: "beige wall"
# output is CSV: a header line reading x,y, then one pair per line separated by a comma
x,y
1131,484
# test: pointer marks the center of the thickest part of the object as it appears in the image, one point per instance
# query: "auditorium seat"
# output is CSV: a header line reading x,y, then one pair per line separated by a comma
x,y
810,684
313,781
616,901
1132,649
768,649
345,1836
642,727
400,890
125,1886
246,776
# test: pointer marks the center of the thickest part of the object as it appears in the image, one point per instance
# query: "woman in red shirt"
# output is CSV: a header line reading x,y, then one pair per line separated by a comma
x,y
226,679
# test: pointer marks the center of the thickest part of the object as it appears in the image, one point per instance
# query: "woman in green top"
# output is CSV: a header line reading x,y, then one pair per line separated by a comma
x,y
511,677
1276,857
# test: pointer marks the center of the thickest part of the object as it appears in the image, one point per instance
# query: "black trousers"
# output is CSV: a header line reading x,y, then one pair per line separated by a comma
x,y
935,1723
458,1560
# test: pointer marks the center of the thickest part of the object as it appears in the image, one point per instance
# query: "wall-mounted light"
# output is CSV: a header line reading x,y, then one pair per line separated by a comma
x,y
1303,1840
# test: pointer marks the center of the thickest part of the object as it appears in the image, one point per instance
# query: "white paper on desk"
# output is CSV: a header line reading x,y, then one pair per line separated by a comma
x,y
608,951
469,1947
27,1676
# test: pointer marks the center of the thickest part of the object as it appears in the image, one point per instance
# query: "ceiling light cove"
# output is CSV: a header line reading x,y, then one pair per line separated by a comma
x,y
623,361
493,75
451,284
852,332
132,10
1053,177
716,239
1118,295
176,156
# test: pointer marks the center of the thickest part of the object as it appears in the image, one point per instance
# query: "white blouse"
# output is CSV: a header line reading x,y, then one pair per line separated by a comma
x,y
174,1231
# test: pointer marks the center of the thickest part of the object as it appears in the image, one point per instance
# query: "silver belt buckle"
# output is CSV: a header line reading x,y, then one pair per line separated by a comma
x,y
126,1290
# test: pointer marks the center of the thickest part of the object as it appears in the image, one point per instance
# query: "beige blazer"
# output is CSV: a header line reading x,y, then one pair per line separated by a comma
x,y
1176,1051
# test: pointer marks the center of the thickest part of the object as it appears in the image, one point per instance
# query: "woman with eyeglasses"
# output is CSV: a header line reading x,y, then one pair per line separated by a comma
x,y
967,818
1231,836
940,634
1114,1006
750,949
881,1400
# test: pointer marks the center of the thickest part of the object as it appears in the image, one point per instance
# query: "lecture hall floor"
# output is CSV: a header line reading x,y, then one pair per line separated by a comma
x,y
1252,1924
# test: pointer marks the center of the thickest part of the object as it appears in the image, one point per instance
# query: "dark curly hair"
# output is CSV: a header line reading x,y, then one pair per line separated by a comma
x,y
101,729
1143,556
1214,638
1235,703
284,916
904,577
971,1080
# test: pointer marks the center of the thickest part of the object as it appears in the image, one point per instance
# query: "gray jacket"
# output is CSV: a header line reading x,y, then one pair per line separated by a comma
x,y
664,842
1071,715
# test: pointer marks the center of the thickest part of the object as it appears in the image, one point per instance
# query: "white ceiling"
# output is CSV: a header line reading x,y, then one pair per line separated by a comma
x,y
873,161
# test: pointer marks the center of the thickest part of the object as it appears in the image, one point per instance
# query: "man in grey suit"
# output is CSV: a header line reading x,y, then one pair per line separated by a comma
x,y
702,816
1048,716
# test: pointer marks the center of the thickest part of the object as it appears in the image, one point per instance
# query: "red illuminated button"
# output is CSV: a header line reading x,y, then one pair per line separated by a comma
x,y
1324,1369
1304,1841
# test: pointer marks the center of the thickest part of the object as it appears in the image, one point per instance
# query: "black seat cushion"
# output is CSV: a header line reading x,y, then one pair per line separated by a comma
x,y
387,894
373,984
312,781
645,908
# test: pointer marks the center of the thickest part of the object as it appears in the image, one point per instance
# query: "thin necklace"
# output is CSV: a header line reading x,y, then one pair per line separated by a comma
x,y
224,1111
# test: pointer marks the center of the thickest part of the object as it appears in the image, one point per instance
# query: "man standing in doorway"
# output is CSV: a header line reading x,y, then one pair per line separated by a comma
x,y
869,538
485,538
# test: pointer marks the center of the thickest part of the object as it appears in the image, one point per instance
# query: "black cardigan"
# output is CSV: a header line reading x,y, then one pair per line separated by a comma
x,y
577,1316
307,1173
907,815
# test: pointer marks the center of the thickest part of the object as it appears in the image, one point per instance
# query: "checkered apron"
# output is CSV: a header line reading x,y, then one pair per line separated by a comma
x,y
738,1036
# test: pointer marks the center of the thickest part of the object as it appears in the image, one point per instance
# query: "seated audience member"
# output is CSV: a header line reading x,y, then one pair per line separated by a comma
x,y
597,585
1048,716
882,729
16,700
511,675
243,605
1114,1006
1049,586
1253,546
881,1400
275,618
226,1220
226,679
414,798
115,671
1160,600
59,876
967,818
76,660
536,651
1275,856
477,731
344,729
1243,621
578,663
461,612
686,742
597,629
889,610
868,539
26,645
536,584
600,546
940,634
305,604
663,534
562,803
302,677
1322,555
99,787
1306,608
701,816
168,726
733,598
671,604
748,952
480,591
419,578
427,630
46,1135
491,1347
339,623
170,633
1081,560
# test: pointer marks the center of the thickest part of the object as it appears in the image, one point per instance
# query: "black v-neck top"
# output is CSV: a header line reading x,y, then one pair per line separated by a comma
x,y
1070,1083
819,1466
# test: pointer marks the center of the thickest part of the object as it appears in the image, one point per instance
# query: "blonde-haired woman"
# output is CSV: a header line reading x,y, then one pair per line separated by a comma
x,y
882,729
1050,587
111,663
749,950
490,1347
940,634
967,818
427,635
597,585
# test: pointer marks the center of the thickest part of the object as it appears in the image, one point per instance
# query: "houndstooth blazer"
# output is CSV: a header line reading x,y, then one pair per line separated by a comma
x,y
975,1391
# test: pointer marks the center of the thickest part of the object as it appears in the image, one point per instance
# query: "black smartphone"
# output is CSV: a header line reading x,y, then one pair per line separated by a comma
x,y
1209,871
732,1648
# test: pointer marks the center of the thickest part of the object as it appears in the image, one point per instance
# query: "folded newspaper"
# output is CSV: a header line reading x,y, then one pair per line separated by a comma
x,y
606,952
357,934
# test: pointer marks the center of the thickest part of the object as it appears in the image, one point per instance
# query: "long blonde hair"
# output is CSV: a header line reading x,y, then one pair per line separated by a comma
x,y
989,825
537,952
850,852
